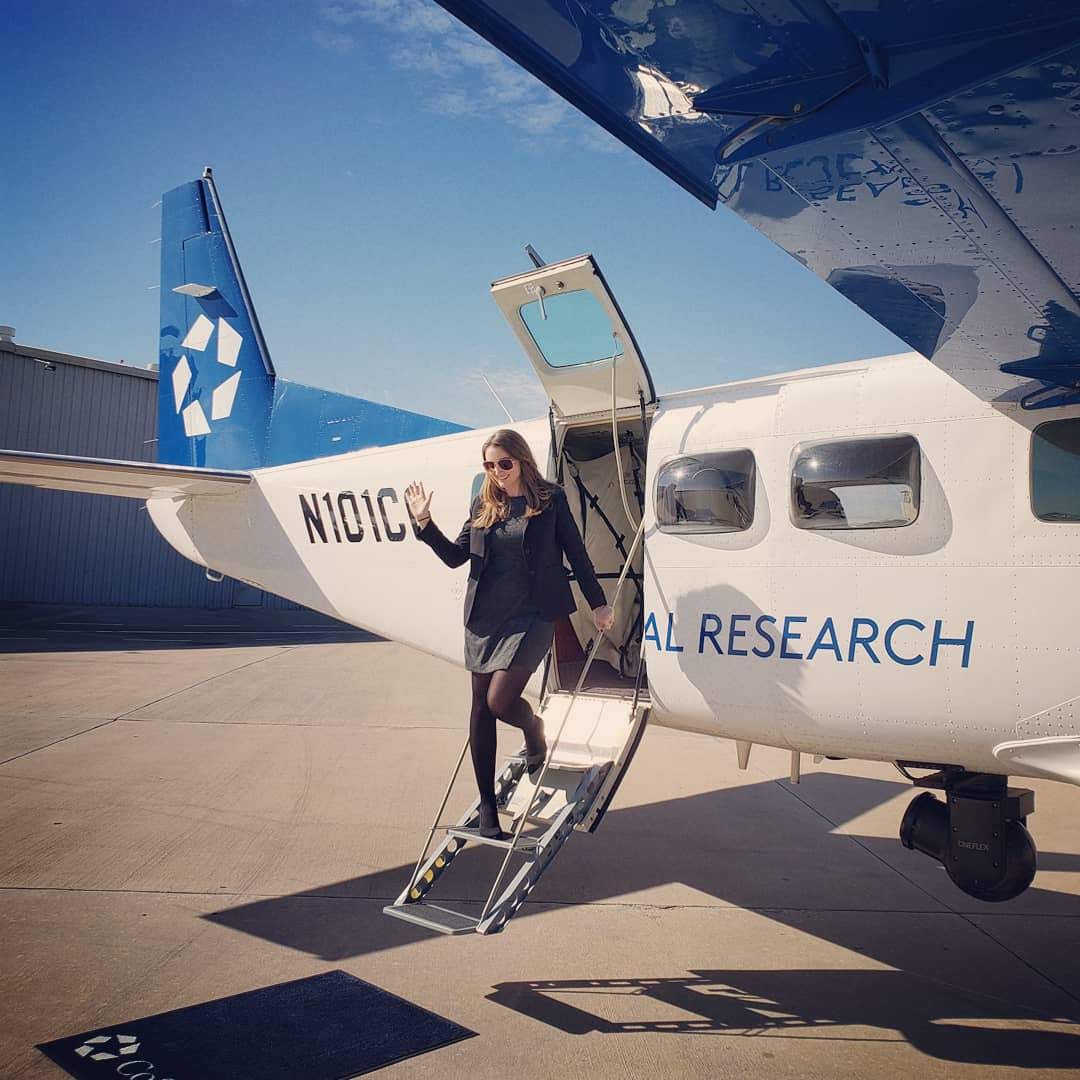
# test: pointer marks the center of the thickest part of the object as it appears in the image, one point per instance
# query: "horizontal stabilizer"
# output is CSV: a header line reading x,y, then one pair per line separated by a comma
x,y
100,476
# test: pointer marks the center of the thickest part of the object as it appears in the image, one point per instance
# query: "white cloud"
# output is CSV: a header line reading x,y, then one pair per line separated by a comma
x,y
632,11
542,117
453,102
405,15
333,40
602,141
636,12
520,391
461,75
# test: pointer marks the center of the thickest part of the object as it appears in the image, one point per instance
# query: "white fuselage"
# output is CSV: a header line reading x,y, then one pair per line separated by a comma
x,y
964,622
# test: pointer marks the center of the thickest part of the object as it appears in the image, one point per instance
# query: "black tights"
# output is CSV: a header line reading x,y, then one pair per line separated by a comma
x,y
496,695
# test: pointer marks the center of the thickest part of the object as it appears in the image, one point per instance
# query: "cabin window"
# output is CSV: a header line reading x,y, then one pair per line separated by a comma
x,y
868,483
706,493
570,328
1055,470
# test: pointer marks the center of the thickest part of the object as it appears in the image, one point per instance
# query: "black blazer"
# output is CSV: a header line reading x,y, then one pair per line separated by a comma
x,y
548,536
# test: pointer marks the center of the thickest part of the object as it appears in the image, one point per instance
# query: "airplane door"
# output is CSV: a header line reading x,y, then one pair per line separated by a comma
x,y
571,328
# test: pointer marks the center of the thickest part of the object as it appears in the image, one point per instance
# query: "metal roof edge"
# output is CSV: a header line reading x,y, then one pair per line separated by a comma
x,y
33,353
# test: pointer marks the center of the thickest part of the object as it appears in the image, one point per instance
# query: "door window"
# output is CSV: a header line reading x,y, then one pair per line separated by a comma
x,y
570,328
569,325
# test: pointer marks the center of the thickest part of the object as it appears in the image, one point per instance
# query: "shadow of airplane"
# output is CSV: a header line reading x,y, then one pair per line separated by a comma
x,y
943,1021
800,877
721,851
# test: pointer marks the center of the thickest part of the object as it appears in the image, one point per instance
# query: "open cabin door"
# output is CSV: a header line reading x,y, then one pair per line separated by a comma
x,y
571,328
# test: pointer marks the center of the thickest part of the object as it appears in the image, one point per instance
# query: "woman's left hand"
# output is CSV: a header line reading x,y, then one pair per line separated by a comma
x,y
603,617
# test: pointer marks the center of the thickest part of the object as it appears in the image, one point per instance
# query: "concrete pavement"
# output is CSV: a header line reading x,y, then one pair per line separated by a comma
x,y
197,804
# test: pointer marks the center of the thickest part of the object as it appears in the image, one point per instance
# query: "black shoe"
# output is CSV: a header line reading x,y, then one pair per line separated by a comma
x,y
488,824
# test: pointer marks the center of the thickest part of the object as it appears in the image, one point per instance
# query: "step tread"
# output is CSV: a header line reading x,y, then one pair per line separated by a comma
x,y
527,845
443,920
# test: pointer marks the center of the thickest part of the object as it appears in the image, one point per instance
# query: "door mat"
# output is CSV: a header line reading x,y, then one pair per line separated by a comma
x,y
327,1027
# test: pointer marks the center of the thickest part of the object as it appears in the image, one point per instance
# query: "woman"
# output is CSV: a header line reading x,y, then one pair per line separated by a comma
x,y
518,530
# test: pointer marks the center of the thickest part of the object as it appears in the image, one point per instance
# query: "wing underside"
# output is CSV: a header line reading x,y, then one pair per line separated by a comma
x,y
921,157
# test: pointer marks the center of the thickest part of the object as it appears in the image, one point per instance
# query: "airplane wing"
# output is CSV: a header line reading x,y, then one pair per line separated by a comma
x,y
922,157
131,479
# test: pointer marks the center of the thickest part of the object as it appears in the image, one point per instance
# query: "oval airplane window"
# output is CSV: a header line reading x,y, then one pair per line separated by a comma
x,y
1055,470
570,328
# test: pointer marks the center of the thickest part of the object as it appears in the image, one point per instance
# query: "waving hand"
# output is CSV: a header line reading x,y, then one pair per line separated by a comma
x,y
419,502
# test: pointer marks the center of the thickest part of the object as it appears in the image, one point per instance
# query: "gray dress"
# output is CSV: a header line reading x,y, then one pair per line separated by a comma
x,y
504,626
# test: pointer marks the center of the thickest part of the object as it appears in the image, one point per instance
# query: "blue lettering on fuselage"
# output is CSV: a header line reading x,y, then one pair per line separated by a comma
x,y
908,642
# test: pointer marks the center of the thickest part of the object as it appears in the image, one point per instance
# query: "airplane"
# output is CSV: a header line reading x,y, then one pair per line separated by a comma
x,y
867,560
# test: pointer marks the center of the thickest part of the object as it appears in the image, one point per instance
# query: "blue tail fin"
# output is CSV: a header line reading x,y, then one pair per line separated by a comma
x,y
217,381
220,404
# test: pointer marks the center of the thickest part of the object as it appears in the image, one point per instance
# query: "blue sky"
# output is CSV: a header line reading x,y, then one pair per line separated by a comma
x,y
380,165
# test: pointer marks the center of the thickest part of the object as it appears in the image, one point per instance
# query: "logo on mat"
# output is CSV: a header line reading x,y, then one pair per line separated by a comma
x,y
97,1048
224,386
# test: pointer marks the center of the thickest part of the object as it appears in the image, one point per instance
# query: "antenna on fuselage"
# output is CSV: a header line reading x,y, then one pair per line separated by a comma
x,y
535,256
497,398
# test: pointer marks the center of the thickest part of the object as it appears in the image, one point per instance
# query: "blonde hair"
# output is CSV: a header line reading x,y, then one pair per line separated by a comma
x,y
494,502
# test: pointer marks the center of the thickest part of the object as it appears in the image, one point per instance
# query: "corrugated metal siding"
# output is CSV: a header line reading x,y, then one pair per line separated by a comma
x,y
69,548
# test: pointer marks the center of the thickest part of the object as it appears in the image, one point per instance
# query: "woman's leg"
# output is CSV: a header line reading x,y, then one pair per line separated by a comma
x,y
504,701
482,747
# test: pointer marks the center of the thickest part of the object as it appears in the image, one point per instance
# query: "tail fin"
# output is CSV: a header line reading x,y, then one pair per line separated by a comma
x,y
218,395
217,381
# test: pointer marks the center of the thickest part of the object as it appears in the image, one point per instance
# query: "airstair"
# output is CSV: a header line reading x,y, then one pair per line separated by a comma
x,y
583,771
592,739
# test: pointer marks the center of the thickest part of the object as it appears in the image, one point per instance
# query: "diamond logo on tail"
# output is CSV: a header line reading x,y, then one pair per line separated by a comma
x,y
223,386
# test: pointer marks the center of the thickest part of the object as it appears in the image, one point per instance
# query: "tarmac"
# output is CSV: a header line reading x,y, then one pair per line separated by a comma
x,y
196,804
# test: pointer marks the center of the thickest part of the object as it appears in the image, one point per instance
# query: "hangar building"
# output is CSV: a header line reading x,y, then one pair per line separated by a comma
x,y
65,547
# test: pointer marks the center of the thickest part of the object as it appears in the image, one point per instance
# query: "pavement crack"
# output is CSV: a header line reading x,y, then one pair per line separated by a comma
x,y
201,682
344,725
1020,959
56,742
948,908
625,904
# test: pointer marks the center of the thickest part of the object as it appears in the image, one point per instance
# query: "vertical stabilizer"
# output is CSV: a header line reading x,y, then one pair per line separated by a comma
x,y
217,382
220,404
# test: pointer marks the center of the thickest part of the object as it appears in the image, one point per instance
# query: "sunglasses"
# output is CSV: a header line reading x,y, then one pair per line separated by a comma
x,y
503,464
